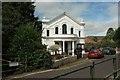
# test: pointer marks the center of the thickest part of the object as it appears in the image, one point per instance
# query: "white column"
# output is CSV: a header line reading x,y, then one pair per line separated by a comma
x,y
63,46
73,48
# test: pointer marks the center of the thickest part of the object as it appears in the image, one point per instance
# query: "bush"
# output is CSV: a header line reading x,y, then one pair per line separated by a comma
x,y
54,48
28,49
58,56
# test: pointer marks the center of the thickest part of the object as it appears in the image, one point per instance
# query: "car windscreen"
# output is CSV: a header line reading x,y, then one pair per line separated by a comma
x,y
93,51
107,48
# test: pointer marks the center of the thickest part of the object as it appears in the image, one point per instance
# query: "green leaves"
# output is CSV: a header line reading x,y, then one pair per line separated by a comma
x,y
110,33
20,37
116,37
29,51
54,47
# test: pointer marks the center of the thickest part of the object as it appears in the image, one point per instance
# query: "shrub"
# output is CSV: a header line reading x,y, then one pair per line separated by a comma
x,y
28,49
58,56
54,48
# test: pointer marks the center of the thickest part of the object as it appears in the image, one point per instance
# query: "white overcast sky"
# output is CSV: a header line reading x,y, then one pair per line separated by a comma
x,y
99,15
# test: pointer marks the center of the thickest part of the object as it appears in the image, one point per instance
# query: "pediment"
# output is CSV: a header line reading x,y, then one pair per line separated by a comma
x,y
63,18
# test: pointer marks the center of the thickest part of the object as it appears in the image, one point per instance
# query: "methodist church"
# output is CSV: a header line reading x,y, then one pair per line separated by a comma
x,y
65,31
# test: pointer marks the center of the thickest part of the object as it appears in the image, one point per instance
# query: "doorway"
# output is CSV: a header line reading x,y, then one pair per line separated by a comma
x,y
66,47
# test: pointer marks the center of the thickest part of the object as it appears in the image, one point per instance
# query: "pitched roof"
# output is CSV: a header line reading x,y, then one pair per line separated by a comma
x,y
89,40
62,15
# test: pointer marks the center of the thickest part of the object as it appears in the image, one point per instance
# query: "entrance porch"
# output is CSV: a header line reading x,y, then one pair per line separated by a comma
x,y
67,46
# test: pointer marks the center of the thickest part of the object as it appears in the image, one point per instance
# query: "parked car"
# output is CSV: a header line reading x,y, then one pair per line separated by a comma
x,y
109,51
94,53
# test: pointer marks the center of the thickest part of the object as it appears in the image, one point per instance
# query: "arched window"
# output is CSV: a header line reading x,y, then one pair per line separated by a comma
x,y
71,30
56,30
64,29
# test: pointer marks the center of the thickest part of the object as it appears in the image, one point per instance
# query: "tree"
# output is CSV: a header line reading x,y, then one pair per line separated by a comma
x,y
108,39
27,49
13,15
95,38
108,43
110,33
117,36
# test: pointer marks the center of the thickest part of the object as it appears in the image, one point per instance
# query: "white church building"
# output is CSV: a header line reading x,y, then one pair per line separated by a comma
x,y
65,31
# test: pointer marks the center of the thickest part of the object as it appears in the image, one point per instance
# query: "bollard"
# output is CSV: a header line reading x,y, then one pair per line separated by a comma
x,y
92,71
114,67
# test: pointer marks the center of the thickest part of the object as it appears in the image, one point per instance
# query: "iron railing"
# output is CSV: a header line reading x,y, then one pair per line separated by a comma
x,y
91,65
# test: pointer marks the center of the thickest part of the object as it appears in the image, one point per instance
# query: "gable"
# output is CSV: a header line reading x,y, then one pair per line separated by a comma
x,y
62,15
63,19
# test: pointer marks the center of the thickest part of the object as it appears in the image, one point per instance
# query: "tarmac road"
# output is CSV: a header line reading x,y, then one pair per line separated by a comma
x,y
101,70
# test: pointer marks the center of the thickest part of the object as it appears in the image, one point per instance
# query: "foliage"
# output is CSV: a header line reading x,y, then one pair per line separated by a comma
x,y
13,15
54,47
58,56
110,33
90,45
108,43
116,37
95,38
108,39
28,49
105,42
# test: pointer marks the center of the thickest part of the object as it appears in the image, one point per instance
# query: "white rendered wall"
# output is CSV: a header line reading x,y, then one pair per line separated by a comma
x,y
58,23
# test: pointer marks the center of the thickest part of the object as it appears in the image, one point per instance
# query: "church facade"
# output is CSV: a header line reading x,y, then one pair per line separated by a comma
x,y
65,31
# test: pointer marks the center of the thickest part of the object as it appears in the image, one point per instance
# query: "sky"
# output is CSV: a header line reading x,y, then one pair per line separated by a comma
x,y
98,15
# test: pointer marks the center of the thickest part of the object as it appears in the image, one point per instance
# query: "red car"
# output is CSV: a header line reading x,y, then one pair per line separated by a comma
x,y
95,54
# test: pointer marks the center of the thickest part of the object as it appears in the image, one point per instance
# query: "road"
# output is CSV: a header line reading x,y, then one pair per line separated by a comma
x,y
101,70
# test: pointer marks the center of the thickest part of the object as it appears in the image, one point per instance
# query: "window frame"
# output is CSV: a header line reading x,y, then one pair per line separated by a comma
x,y
48,32
56,30
64,29
72,31
79,32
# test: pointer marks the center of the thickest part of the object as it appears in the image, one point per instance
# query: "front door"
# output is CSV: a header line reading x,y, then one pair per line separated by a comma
x,y
66,47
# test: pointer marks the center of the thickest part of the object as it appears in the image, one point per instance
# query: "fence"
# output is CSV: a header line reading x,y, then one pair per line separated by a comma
x,y
116,68
8,67
114,75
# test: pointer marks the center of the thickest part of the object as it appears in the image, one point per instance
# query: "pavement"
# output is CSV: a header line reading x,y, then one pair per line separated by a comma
x,y
104,68
63,67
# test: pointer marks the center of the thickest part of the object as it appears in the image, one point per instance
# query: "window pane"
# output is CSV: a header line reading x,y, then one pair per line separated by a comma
x,y
79,33
47,32
64,29
56,30
71,30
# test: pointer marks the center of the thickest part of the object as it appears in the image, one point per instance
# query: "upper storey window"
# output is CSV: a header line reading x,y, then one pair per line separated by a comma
x,y
56,30
79,33
64,29
47,32
71,30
